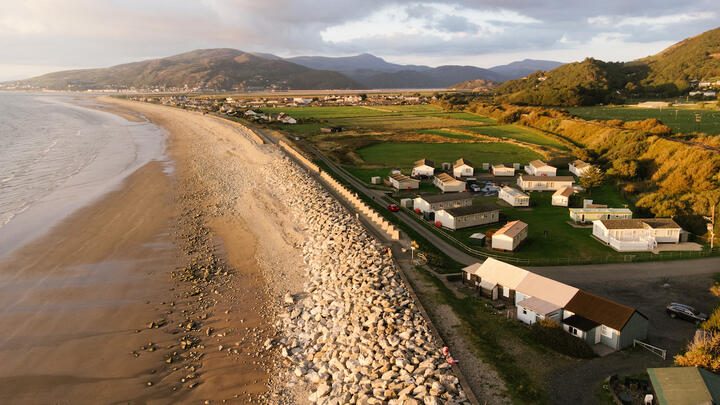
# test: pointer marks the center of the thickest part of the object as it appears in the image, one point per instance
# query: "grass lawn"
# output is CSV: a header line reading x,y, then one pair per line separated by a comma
x,y
326,112
447,134
404,154
679,119
518,133
365,175
400,122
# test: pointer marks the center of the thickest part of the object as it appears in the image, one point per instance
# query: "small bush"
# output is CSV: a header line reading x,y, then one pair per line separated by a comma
x,y
550,334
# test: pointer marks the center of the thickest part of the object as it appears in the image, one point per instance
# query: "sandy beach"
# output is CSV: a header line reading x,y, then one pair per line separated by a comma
x,y
152,294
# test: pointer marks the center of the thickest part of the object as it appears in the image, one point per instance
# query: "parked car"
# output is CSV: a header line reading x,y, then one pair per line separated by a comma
x,y
475,188
393,208
686,312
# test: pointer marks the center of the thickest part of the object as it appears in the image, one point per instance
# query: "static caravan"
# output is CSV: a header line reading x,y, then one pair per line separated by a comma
x,y
561,198
462,168
502,170
400,181
468,216
514,197
627,235
540,168
594,214
578,167
435,202
510,236
448,184
423,168
544,183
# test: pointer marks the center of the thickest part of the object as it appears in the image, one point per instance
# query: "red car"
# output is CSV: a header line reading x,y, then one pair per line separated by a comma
x,y
393,208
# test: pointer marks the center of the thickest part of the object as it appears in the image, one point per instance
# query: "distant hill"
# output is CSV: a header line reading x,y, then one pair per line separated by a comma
x,y
220,69
474,85
522,68
669,73
374,72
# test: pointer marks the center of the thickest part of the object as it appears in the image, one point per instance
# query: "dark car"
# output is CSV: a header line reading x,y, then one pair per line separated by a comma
x,y
686,312
393,208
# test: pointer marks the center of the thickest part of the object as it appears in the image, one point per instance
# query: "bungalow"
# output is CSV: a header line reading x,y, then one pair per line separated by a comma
x,y
514,197
447,184
544,183
540,168
510,236
502,170
626,235
578,167
462,168
465,217
423,168
599,320
538,297
594,214
494,279
561,198
436,202
402,182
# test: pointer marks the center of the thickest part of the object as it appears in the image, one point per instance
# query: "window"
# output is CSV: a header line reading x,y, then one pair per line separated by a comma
x,y
506,292
607,332
574,331
524,311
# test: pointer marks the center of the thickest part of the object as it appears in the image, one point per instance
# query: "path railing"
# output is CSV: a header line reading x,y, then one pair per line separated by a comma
x,y
653,349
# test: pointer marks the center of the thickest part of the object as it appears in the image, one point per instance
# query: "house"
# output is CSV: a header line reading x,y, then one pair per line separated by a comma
x,y
494,279
250,113
514,197
544,183
435,202
594,214
288,120
684,386
578,167
627,235
510,236
400,181
468,216
599,320
447,184
540,168
502,170
561,198
538,297
423,168
462,168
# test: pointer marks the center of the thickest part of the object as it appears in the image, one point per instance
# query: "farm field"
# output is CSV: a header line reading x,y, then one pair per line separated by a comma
x,y
680,120
518,133
403,155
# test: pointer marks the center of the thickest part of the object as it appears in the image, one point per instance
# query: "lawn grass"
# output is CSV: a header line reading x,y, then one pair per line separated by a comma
x,y
365,175
400,122
518,133
326,112
447,134
404,154
680,120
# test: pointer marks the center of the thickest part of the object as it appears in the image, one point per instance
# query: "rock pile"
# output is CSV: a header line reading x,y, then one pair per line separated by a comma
x,y
354,335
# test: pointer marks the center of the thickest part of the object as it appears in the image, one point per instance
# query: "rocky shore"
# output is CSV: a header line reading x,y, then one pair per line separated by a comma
x,y
354,335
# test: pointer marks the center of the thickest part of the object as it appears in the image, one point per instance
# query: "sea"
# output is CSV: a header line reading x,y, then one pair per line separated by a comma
x,y
57,155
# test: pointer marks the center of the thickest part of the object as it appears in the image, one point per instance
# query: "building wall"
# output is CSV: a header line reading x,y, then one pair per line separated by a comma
x,y
542,185
504,172
579,215
560,201
447,220
599,231
512,200
635,328
503,242
529,316
422,205
462,171
481,218
423,171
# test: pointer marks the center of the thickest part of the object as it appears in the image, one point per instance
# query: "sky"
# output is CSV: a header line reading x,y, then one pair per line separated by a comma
x,y
40,36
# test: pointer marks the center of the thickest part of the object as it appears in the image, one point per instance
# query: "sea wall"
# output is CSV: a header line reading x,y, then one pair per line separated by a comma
x,y
355,334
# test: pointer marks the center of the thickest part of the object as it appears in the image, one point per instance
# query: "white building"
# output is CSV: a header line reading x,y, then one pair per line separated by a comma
x,y
539,297
514,197
540,168
448,184
423,168
544,183
435,202
627,235
578,167
510,236
402,182
561,198
594,214
462,168
468,216
502,170
494,279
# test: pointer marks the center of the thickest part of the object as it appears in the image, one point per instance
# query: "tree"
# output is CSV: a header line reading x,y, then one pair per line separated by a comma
x,y
593,177
703,352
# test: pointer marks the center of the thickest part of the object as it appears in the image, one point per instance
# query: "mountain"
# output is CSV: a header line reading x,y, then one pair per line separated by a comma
x,y
669,73
474,85
376,73
217,69
522,68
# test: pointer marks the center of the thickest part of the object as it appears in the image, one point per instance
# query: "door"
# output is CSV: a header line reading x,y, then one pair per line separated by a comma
x,y
495,293
597,335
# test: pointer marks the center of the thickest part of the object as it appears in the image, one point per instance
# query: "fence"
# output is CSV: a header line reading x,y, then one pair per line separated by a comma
x,y
355,202
653,349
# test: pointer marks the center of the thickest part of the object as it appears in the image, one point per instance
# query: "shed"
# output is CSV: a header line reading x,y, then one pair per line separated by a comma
x,y
402,182
462,168
510,236
533,309
423,168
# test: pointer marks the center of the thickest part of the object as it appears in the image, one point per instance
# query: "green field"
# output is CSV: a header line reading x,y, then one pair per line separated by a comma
x,y
447,134
404,154
518,133
680,120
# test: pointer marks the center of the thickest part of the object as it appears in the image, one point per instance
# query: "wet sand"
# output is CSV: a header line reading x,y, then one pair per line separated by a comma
x,y
153,294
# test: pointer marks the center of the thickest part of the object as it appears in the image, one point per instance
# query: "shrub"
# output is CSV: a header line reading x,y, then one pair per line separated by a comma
x,y
703,352
550,334
713,322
